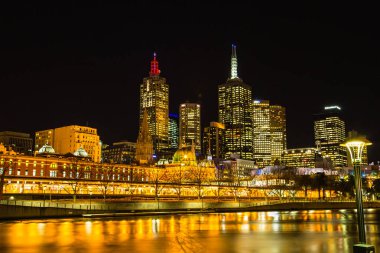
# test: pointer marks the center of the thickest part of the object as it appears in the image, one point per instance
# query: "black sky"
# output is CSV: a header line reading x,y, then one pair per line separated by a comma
x,y
81,63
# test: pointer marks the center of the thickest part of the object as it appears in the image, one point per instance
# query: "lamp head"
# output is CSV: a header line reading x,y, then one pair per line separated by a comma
x,y
355,146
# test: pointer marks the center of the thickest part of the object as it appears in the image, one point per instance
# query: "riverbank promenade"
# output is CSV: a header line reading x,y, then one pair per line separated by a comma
x,y
19,209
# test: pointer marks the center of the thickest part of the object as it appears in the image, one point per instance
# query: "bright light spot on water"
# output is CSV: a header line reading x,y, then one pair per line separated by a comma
x,y
88,225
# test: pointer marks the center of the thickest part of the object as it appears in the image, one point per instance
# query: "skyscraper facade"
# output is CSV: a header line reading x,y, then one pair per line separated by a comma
x,y
235,112
329,133
190,125
154,98
278,131
213,140
261,132
173,131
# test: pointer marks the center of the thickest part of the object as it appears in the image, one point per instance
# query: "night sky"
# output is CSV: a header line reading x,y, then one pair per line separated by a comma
x,y
82,63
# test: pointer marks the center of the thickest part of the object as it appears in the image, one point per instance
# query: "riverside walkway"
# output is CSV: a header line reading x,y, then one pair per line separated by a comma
x,y
19,209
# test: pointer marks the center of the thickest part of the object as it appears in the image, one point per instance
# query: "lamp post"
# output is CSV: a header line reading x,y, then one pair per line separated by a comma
x,y
44,194
355,145
90,198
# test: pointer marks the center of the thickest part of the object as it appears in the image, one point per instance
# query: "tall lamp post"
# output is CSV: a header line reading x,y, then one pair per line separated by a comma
x,y
355,146
90,198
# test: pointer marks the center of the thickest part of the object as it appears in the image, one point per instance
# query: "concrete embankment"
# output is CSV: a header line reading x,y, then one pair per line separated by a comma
x,y
34,210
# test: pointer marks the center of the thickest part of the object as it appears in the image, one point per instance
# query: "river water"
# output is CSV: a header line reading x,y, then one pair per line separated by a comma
x,y
266,232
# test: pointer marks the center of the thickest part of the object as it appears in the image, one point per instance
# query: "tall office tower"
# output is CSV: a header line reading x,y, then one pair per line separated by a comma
x,y
190,125
329,133
173,131
213,140
261,132
69,139
144,144
235,112
18,142
278,131
154,97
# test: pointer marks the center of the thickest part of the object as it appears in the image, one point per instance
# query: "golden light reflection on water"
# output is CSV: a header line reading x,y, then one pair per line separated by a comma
x,y
293,231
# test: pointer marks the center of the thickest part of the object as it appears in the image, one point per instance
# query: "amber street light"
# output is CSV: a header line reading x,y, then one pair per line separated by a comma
x,y
355,146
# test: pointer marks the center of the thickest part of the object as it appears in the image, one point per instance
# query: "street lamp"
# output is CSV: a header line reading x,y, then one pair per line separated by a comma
x,y
355,145
44,194
90,198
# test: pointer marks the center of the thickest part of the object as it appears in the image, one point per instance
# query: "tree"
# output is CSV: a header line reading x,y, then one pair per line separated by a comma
x,y
107,177
74,174
376,186
304,182
319,183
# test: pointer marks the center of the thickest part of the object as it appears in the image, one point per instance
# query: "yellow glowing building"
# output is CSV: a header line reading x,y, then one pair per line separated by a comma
x,y
69,139
234,111
190,125
278,131
154,98
329,133
261,133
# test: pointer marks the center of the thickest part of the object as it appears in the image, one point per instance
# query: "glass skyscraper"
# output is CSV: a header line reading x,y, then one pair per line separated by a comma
x,y
234,110
190,125
329,133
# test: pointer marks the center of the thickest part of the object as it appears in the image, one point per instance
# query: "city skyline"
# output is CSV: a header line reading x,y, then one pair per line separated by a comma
x,y
67,66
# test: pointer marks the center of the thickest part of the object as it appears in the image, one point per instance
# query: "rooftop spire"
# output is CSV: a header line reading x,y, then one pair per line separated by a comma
x,y
234,64
154,70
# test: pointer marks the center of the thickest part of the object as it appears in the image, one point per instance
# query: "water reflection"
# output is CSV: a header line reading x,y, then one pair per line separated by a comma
x,y
293,231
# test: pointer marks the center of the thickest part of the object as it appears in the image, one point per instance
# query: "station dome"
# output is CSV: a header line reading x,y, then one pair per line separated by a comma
x,y
46,149
81,152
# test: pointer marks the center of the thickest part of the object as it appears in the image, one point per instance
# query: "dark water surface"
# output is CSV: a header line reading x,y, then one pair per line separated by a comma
x,y
266,232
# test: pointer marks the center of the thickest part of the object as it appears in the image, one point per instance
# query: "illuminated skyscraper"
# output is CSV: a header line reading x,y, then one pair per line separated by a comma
x,y
213,140
190,125
173,130
278,131
261,133
329,133
154,97
235,112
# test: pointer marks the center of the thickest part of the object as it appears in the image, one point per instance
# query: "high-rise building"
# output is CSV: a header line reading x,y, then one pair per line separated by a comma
x,y
144,144
190,125
235,112
300,157
69,139
154,98
19,142
278,131
122,152
329,133
213,140
173,131
261,133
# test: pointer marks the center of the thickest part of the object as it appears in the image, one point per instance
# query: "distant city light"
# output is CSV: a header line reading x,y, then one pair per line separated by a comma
x,y
332,107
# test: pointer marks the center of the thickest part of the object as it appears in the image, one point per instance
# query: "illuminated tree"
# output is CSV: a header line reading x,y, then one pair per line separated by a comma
x,y
74,175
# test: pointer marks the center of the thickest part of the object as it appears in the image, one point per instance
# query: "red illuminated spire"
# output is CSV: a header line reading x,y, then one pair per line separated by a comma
x,y
154,70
